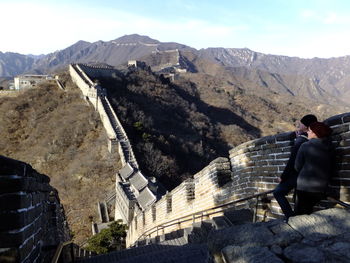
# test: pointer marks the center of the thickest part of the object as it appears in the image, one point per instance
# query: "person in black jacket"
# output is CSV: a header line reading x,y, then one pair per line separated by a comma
x,y
314,164
288,180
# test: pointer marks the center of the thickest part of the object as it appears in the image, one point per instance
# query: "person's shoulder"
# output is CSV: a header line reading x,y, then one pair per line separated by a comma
x,y
301,139
305,144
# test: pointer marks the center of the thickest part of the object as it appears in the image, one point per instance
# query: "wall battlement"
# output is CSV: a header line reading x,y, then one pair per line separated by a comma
x,y
32,218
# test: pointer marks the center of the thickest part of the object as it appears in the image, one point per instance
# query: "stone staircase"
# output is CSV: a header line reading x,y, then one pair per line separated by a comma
x,y
121,136
191,253
184,245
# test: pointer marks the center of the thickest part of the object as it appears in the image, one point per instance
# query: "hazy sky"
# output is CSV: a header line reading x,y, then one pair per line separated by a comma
x,y
305,28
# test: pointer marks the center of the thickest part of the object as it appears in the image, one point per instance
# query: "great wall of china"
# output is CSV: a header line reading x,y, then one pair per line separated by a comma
x,y
35,222
251,168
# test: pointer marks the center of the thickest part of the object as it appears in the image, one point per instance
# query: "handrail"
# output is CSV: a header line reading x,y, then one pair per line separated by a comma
x,y
59,251
346,205
74,255
193,215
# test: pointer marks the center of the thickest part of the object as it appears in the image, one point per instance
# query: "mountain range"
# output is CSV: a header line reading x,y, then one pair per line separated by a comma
x,y
323,80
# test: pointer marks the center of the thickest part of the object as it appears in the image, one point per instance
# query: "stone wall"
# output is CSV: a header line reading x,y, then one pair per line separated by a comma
x,y
253,167
32,218
117,137
191,196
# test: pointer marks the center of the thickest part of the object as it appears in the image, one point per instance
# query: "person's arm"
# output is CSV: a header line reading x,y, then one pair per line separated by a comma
x,y
300,159
290,164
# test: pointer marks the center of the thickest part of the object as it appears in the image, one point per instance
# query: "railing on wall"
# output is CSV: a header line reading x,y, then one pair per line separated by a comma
x,y
70,252
204,214
339,202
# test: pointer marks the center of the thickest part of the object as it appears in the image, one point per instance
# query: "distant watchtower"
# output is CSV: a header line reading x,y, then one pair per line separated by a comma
x,y
137,64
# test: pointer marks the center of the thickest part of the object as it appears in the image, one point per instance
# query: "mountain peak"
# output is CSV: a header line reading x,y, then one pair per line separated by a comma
x,y
136,38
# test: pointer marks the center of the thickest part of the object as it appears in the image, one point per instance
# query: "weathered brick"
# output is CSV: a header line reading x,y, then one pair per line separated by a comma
x,y
334,120
10,185
34,254
277,162
26,248
260,142
346,118
285,144
340,129
344,136
14,239
282,156
268,146
343,173
343,159
342,151
287,136
15,220
339,181
344,143
10,255
14,201
343,166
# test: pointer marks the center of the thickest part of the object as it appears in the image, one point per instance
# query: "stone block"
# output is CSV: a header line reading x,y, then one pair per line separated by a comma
x,y
299,253
11,220
340,250
34,255
334,120
237,254
26,248
344,135
342,151
343,159
10,255
284,234
329,222
282,156
14,201
343,166
277,162
11,185
286,149
340,129
14,239
343,174
346,118
287,136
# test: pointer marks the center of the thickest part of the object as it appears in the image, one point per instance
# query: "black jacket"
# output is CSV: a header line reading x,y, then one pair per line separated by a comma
x,y
314,164
289,171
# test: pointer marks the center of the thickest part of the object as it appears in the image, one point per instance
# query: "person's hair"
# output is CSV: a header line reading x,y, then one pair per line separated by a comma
x,y
308,119
320,129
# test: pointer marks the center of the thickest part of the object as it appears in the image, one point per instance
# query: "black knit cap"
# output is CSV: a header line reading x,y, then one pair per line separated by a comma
x,y
308,119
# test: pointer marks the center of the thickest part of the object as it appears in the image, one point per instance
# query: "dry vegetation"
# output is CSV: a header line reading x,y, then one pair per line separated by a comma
x,y
177,128
60,135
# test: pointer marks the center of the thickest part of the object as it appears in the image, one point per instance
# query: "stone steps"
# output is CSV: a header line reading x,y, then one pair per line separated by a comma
x,y
156,254
184,245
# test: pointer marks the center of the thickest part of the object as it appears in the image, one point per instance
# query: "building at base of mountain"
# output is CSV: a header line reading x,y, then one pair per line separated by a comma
x,y
29,81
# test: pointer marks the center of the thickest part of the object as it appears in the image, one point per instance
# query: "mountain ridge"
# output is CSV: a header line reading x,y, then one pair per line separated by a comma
x,y
323,80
